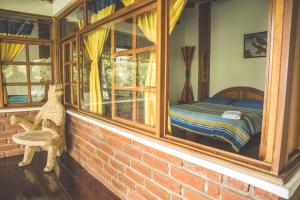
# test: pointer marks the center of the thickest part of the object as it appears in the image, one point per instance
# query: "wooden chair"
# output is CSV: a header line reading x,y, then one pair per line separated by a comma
x,y
50,136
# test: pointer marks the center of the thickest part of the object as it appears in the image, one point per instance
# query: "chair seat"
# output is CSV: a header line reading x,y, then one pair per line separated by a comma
x,y
35,138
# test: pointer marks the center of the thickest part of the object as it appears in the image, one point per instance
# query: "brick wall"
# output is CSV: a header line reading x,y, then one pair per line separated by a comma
x,y
7,146
134,171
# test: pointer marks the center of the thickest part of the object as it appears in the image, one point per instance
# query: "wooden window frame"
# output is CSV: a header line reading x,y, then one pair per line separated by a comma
x,y
27,63
70,63
275,160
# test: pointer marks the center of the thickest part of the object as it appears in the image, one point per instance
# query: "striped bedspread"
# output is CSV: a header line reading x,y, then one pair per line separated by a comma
x,y
205,119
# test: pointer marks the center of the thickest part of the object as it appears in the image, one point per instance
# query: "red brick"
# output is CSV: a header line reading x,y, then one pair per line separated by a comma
x,y
9,147
98,162
133,152
3,141
122,138
168,157
213,190
236,184
7,134
102,156
229,195
119,186
264,194
126,181
196,168
192,195
132,195
110,170
162,194
215,176
117,166
15,152
115,144
13,127
156,163
107,149
24,114
146,171
187,178
122,158
142,147
135,177
145,193
166,182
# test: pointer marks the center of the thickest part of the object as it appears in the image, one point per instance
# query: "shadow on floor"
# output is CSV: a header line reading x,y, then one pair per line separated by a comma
x,y
70,181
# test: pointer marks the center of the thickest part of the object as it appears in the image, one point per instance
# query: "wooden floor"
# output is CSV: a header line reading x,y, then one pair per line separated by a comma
x,y
69,181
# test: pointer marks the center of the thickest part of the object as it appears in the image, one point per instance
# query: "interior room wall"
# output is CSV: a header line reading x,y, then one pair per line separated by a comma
x,y
29,6
231,19
184,34
59,5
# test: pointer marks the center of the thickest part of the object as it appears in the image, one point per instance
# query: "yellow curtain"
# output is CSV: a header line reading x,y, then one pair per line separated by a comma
x,y
8,52
94,43
127,2
148,23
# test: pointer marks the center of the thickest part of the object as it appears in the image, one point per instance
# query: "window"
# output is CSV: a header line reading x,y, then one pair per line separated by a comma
x,y
26,60
72,23
26,77
70,71
131,74
118,80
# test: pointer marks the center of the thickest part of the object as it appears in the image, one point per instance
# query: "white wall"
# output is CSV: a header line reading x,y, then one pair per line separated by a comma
x,y
59,5
184,34
231,19
29,6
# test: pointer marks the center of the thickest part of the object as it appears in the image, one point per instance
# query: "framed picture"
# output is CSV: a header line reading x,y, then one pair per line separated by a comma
x,y
255,45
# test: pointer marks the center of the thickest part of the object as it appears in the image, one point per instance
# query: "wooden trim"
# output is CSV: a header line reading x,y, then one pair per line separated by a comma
x,y
242,93
136,50
33,41
225,155
34,17
204,50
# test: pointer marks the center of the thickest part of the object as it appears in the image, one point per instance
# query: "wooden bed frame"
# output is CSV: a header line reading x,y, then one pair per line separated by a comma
x,y
242,93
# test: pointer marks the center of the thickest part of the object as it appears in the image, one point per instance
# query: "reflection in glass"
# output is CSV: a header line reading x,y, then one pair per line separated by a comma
x,y
74,75
71,23
67,52
74,52
143,61
16,94
38,93
74,90
40,73
67,73
123,104
123,70
67,94
39,53
123,35
14,74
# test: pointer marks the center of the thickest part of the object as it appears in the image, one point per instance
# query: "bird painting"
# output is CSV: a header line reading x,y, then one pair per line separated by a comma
x,y
255,45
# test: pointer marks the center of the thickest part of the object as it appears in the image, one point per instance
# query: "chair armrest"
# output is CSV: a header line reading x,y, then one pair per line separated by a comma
x,y
49,125
26,124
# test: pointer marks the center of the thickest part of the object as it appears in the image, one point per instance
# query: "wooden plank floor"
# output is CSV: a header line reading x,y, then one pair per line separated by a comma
x,y
32,183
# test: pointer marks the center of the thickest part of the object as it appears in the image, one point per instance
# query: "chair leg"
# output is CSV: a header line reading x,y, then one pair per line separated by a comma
x,y
28,155
51,158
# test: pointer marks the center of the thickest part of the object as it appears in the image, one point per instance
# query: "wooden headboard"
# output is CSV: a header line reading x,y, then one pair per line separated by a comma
x,y
242,93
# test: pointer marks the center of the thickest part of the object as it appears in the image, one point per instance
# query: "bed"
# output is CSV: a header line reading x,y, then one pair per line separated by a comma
x,y
205,118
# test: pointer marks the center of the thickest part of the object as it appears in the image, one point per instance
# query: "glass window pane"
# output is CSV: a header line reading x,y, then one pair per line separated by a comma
x,y
39,53
40,73
67,73
74,75
67,94
12,52
146,33
74,89
94,6
16,94
14,74
124,104
18,27
123,35
123,70
74,52
38,93
71,23
67,53
143,62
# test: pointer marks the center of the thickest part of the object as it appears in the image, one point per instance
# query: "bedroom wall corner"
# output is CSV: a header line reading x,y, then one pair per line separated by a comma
x,y
228,66
184,34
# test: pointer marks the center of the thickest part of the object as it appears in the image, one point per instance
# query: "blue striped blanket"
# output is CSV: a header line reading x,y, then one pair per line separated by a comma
x,y
205,119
